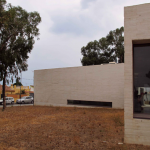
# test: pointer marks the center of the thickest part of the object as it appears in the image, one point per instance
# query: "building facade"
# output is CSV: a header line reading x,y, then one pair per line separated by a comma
x,y
137,71
123,85
15,91
96,85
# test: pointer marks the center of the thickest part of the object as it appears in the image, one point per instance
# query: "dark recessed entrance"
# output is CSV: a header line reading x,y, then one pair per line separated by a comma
x,y
141,81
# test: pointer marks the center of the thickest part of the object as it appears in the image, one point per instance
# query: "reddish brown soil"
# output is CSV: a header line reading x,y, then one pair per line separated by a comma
x,y
38,128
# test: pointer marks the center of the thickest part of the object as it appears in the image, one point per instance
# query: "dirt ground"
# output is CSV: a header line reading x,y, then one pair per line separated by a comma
x,y
38,128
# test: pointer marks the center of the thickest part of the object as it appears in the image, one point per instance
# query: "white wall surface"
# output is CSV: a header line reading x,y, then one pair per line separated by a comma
x,y
137,30
89,83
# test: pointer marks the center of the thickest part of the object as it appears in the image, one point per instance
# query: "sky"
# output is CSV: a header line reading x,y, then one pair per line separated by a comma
x,y
67,26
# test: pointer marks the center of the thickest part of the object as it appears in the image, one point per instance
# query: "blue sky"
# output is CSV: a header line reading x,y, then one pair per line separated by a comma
x,y
68,25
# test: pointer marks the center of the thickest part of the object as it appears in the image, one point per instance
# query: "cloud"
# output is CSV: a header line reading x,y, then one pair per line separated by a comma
x,y
97,19
85,3
66,26
76,24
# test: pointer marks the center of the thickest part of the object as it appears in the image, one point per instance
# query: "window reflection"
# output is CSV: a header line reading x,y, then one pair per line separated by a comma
x,y
141,78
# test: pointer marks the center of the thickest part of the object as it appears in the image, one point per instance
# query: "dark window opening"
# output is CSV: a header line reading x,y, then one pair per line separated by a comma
x,y
141,81
89,103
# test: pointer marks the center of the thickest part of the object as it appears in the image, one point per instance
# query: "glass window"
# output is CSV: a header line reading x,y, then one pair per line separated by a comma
x,y
23,97
141,81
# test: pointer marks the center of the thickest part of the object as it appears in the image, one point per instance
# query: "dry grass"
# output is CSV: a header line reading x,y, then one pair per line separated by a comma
x,y
118,120
36,128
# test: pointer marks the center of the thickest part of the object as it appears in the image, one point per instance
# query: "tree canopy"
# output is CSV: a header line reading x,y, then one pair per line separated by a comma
x,y
18,83
105,50
18,28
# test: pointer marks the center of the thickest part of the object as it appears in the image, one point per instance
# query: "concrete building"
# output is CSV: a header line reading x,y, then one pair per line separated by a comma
x,y
97,85
121,85
137,53
8,90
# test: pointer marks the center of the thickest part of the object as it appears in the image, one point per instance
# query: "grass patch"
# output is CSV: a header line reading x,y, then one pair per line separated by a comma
x,y
57,108
47,127
118,120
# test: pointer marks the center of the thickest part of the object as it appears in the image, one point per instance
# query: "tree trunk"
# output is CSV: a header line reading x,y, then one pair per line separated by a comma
x,y
4,99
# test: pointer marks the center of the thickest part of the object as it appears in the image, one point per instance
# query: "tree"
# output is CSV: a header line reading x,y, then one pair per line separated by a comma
x,y
105,50
18,83
116,40
18,28
23,92
90,54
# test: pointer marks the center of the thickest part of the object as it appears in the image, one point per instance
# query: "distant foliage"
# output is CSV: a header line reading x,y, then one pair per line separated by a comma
x,y
106,50
23,92
18,83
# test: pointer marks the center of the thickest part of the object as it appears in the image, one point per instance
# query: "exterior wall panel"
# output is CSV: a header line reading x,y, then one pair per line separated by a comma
x,y
87,83
137,28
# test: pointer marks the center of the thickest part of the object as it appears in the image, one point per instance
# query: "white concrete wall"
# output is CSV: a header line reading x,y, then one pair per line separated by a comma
x,y
89,83
137,30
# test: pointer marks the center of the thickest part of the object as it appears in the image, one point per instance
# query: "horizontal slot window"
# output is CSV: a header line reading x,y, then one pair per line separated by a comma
x,y
89,103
